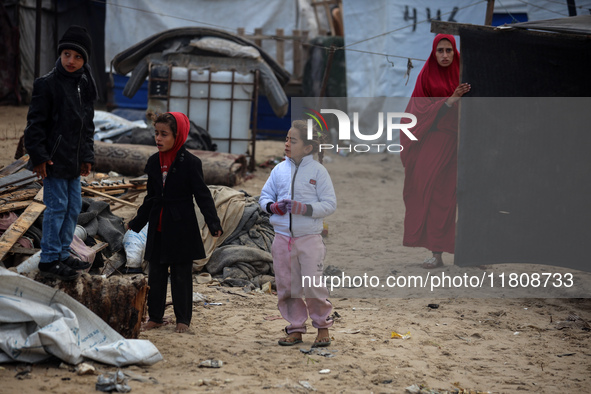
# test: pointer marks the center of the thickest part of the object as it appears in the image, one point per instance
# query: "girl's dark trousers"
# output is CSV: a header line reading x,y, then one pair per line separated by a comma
x,y
181,285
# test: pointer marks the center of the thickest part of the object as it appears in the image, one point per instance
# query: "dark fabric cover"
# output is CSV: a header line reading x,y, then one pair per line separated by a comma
x,y
577,25
96,217
181,238
523,157
520,63
9,60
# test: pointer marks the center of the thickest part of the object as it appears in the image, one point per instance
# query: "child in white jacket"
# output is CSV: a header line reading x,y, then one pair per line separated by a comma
x,y
298,195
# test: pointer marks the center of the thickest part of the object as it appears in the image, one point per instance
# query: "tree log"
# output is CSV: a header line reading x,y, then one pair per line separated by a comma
x,y
219,168
119,300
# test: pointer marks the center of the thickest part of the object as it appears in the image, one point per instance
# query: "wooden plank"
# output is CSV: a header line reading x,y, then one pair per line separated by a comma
x,y
14,206
129,196
103,187
20,178
490,7
258,32
297,55
20,250
99,246
18,195
329,17
14,166
19,227
111,198
112,264
39,196
110,192
280,51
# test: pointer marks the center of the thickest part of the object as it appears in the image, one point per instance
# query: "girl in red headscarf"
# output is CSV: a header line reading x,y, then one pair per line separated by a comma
x,y
430,164
175,178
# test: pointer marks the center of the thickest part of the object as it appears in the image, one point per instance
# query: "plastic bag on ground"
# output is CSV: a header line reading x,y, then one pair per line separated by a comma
x,y
135,245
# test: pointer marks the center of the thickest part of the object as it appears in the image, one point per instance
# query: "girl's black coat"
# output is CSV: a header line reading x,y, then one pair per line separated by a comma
x,y
181,237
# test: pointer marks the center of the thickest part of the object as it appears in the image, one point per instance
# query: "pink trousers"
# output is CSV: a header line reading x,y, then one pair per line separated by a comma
x,y
298,264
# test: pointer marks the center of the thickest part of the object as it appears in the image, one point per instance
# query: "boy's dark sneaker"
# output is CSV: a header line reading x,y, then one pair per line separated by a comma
x,y
76,264
57,270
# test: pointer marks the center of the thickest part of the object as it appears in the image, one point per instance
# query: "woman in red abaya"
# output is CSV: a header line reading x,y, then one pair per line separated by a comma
x,y
430,163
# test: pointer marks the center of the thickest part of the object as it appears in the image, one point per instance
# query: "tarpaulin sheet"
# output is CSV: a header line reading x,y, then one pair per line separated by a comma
x,y
38,322
523,157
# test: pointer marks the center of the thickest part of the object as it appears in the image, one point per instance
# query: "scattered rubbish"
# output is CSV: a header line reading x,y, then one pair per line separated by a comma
x,y
204,278
211,363
266,288
566,354
134,245
306,385
85,369
414,389
275,317
335,315
198,297
324,371
324,230
573,321
350,331
319,352
213,303
331,270
366,309
80,232
516,333
208,382
114,381
139,378
395,335
423,389
433,306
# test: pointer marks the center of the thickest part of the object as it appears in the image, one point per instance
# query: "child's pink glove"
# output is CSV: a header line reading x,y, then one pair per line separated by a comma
x,y
297,208
279,207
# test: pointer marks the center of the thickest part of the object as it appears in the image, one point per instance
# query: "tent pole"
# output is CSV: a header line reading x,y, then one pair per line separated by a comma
x,y
490,7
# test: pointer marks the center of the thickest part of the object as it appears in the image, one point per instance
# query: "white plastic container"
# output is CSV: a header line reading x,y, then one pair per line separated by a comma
x,y
190,96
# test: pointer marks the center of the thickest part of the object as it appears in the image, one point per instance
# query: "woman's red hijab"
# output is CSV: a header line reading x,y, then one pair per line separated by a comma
x,y
435,82
183,125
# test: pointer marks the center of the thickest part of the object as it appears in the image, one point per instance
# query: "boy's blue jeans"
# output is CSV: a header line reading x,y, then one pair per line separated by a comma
x,y
63,201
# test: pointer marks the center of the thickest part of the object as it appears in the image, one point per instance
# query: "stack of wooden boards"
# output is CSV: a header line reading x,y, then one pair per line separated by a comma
x,y
20,192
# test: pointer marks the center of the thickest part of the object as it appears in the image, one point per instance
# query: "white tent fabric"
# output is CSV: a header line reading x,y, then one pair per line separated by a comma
x,y
227,15
371,75
375,76
37,322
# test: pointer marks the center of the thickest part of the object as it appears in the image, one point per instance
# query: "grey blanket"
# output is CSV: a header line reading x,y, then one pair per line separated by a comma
x,y
96,217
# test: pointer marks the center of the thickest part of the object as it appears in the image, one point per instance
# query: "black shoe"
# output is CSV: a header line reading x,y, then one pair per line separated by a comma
x,y
57,270
76,264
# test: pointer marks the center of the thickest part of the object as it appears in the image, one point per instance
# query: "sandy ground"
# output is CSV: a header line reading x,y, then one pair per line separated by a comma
x,y
485,344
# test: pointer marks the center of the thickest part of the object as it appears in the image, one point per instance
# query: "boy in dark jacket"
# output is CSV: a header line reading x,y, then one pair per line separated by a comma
x,y
59,141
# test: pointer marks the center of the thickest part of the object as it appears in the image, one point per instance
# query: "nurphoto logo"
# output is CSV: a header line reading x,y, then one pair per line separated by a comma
x,y
344,130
